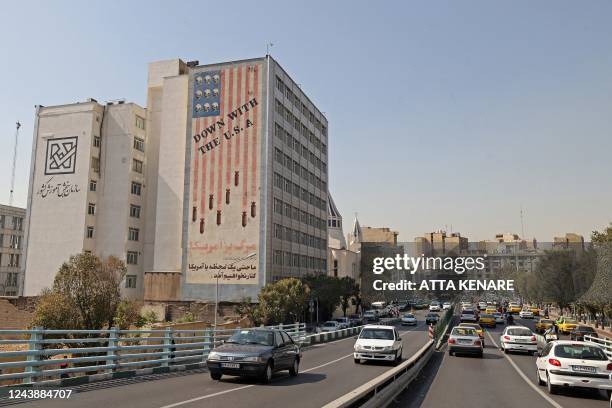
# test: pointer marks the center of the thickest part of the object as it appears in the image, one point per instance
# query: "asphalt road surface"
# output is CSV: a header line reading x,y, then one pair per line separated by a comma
x,y
327,371
497,380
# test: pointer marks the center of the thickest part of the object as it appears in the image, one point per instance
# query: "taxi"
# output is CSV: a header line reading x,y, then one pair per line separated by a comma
x,y
535,310
476,327
543,324
514,307
566,324
490,310
487,319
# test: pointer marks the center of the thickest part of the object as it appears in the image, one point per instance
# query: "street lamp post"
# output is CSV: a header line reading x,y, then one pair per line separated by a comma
x,y
217,285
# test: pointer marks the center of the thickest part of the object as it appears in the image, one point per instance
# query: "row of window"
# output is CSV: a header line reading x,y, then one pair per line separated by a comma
x,y
11,279
299,261
138,143
17,223
283,208
293,143
292,188
295,100
13,260
14,241
133,233
298,237
295,167
299,127
91,210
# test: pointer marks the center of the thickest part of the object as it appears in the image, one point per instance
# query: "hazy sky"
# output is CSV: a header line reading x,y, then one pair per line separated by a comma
x,y
440,113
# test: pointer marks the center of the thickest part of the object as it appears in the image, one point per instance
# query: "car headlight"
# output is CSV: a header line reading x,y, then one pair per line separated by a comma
x,y
387,348
256,359
214,356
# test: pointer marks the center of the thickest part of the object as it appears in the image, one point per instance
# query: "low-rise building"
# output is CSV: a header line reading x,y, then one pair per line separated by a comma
x,y
11,249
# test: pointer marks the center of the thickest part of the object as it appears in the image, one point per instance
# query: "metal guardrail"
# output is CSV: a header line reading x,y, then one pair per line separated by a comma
x,y
606,344
110,350
380,391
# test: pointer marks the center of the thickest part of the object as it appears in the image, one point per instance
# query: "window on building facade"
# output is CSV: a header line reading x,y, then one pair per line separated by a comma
x,y
140,122
17,223
137,166
96,141
11,279
2,220
91,209
95,164
93,184
15,242
132,258
133,234
90,232
139,144
136,188
13,260
130,281
134,211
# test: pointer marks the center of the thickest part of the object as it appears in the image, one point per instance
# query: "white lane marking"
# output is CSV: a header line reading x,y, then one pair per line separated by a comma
x,y
525,378
177,404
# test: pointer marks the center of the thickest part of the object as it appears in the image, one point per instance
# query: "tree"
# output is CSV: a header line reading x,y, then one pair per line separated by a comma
x,y
602,237
128,314
327,290
85,294
349,290
282,302
553,279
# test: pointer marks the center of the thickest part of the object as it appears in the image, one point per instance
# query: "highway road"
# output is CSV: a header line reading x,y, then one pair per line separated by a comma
x,y
497,380
327,372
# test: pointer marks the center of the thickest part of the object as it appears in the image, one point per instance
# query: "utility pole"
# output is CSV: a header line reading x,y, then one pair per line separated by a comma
x,y
18,125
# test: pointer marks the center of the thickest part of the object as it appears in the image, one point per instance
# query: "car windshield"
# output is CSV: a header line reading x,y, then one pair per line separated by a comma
x,y
519,332
580,351
409,316
376,334
329,324
262,337
463,331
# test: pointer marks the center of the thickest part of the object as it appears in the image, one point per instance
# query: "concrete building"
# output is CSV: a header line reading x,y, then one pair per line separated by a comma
x,y
222,180
440,243
86,190
570,241
342,261
11,249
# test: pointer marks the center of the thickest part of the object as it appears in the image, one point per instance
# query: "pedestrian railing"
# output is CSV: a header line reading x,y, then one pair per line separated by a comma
x,y
606,344
60,353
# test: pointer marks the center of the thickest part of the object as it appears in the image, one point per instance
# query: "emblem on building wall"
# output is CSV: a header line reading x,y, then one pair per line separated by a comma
x,y
61,155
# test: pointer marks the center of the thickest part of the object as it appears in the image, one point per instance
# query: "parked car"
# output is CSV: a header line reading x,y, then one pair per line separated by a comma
x,y
409,320
330,326
580,331
464,340
518,338
343,322
370,316
255,352
431,318
468,315
446,305
434,306
378,343
356,320
565,363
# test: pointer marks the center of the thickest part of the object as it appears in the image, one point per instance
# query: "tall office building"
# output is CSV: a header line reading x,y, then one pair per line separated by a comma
x,y
11,249
238,170
86,190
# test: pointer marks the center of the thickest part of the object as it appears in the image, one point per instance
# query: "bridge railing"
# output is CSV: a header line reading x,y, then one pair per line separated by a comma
x,y
606,344
49,354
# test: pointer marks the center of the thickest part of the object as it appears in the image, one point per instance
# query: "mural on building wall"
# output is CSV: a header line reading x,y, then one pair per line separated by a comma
x,y
61,155
226,119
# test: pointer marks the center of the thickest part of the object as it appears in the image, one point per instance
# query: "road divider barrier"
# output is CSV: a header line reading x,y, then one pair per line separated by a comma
x,y
605,344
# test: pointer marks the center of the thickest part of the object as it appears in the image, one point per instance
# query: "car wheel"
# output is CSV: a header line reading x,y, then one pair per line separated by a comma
x,y
293,371
505,350
398,357
450,353
267,374
540,382
215,375
552,389
357,361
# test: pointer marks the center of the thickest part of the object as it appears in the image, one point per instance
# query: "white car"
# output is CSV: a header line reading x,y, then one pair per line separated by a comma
x,y
344,322
565,363
330,326
499,318
518,338
379,343
434,306
468,315
409,320
446,306
482,305
465,305
526,314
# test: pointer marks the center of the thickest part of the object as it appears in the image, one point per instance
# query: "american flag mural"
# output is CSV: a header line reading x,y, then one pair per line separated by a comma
x,y
226,122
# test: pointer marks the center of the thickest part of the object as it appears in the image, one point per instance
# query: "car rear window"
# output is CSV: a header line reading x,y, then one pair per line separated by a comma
x,y
467,312
519,332
486,316
580,351
377,334
463,331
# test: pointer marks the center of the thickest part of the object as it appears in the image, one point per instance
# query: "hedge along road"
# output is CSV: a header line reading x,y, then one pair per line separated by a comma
x,y
327,372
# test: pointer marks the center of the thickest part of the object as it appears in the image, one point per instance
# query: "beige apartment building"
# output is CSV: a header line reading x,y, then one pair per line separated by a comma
x,y
87,188
11,249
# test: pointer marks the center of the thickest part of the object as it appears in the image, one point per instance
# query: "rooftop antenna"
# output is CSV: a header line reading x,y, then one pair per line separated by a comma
x,y
522,223
268,46
18,125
